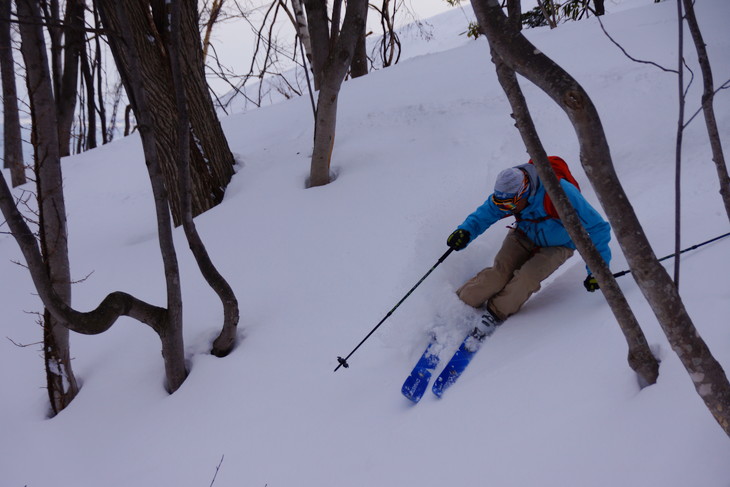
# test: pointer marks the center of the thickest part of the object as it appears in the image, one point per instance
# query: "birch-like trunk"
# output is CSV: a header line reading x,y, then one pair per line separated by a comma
x,y
13,144
333,73
640,357
708,109
706,373
62,385
302,29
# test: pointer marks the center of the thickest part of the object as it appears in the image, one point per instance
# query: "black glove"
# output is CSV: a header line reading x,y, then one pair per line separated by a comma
x,y
459,239
590,283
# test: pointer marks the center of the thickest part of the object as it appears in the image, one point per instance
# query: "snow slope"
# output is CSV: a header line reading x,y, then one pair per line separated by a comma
x,y
548,401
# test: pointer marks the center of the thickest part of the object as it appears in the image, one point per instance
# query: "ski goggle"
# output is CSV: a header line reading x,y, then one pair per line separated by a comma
x,y
506,205
510,204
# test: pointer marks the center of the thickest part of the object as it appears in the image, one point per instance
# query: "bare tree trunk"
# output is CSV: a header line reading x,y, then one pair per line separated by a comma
x,y
359,65
107,133
211,159
109,310
206,131
708,109
215,11
139,90
655,283
514,19
318,22
88,82
62,385
390,45
325,126
678,148
13,143
226,340
128,129
640,358
302,29
339,58
67,38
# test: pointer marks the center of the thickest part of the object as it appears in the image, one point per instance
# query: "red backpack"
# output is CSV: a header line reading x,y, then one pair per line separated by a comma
x,y
560,167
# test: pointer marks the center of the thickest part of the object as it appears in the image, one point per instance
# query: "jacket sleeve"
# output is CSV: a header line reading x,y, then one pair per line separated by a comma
x,y
598,228
482,218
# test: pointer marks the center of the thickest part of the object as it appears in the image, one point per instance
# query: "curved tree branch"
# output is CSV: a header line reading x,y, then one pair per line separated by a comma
x,y
706,373
93,322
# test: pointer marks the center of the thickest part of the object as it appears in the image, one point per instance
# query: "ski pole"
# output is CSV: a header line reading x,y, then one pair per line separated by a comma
x,y
623,273
343,361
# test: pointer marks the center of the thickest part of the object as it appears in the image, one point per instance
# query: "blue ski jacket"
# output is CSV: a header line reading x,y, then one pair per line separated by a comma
x,y
535,223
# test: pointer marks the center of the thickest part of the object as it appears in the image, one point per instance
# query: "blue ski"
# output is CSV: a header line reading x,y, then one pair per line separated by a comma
x,y
465,353
416,384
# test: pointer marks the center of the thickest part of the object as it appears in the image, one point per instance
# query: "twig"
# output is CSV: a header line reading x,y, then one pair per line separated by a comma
x,y
216,470
21,345
667,70
724,86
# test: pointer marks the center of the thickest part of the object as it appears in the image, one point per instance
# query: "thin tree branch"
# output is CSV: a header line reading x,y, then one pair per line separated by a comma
x,y
652,63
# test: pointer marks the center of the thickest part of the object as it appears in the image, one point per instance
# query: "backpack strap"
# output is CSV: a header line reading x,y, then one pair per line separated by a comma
x,y
534,220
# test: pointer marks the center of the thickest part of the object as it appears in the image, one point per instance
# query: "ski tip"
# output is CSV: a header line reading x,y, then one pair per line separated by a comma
x,y
415,385
413,399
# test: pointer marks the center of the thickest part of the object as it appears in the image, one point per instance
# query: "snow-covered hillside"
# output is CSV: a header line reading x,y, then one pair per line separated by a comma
x,y
548,401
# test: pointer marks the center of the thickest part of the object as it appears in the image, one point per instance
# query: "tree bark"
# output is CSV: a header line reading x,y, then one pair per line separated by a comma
x,y
141,93
88,82
211,159
62,385
107,134
325,127
359,66
655,283
92,322
302,29
640,358
317,22
708,96
13,143
67,39
205,128
227,338
339,58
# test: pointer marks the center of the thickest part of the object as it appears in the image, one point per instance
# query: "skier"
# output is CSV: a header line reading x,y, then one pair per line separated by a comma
x,y
534,247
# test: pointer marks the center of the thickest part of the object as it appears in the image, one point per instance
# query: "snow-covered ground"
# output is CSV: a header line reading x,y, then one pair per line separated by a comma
x,y
548,401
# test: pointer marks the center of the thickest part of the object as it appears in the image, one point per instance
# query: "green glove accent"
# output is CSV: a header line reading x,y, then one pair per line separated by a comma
x,y
590,283
459,239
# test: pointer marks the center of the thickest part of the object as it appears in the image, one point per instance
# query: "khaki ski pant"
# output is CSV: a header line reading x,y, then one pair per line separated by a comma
x,y
519,268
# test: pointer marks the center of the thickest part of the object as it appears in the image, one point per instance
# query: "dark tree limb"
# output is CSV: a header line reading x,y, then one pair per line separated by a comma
x,y
708,96
640,358
655,283
226,340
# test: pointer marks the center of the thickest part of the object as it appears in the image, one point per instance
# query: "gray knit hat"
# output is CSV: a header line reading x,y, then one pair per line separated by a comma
x,y
509,183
